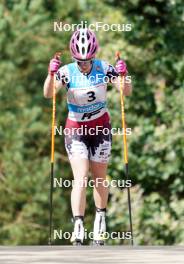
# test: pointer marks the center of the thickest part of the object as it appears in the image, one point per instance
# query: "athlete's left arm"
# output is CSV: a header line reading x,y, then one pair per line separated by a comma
x,y
115,79
127,84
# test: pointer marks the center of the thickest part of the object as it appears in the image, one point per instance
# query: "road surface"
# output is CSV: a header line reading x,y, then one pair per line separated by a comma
x,y
91,254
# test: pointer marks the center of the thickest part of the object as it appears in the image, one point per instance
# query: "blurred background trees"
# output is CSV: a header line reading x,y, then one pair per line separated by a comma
x,y
153,52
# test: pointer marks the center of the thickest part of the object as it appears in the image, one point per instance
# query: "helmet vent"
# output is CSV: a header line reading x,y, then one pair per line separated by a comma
x,y
77,47
83,50
83,40
88,36
89,47
94,50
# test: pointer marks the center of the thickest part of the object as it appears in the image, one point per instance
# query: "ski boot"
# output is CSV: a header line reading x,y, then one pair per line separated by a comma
x,y
99,228
78,233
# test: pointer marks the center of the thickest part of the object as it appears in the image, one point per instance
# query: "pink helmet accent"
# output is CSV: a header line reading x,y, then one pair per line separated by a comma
x,y
83,44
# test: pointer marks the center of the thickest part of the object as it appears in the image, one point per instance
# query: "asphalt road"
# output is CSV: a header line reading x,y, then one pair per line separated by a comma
x,y
91,254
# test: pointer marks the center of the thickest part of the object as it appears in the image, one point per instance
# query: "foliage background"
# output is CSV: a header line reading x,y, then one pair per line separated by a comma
x,y
153,52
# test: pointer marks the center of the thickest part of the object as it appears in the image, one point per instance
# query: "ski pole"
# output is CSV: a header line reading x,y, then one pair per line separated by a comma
x,y
125,149
57,55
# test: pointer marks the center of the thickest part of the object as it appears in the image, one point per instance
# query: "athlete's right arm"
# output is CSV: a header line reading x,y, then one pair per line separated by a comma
x,y
48,86
54,65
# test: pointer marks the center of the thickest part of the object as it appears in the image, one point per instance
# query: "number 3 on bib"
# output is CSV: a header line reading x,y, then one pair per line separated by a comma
x,y
91,96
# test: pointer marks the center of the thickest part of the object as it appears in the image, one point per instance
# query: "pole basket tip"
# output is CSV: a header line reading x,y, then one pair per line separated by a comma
x,y
49,242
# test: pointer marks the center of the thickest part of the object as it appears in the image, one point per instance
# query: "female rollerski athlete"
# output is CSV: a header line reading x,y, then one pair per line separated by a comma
x,y
85,81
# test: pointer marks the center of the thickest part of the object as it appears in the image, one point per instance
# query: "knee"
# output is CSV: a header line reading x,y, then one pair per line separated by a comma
x,y
80,183
100,182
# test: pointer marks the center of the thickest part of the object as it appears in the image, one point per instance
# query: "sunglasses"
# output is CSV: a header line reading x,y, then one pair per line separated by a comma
x,y
83,62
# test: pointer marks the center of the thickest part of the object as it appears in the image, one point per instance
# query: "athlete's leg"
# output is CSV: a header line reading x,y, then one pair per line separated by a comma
x,y
100,193
100,190
77,150
80,168
99,155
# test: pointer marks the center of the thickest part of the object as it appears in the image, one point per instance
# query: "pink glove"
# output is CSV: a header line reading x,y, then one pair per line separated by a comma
x,y
121,67
54,66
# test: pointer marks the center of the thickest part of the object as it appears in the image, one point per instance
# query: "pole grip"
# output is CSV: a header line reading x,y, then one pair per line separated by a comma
x,y
117,56
57,55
